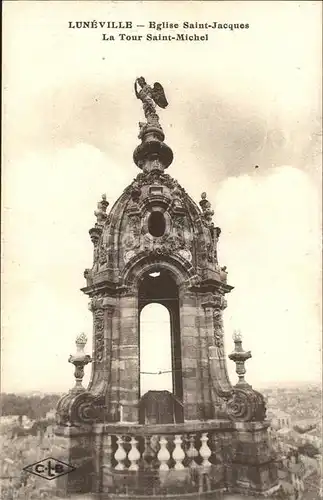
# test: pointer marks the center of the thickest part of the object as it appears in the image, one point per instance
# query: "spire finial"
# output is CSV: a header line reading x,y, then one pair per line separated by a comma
x,y
101,212
239,356
101,217
79,360
206,208
152,153
150,97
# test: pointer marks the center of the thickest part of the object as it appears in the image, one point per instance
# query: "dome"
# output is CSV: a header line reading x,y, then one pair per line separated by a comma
x,y
154,222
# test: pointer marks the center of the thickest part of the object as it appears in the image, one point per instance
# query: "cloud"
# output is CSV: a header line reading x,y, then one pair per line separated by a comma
x,y
271,230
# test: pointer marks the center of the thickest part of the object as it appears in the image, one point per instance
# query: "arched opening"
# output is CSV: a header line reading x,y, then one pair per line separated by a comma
x,y
155,349
156,224
161,383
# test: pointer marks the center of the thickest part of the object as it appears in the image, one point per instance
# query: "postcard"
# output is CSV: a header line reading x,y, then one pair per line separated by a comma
x,y
161,249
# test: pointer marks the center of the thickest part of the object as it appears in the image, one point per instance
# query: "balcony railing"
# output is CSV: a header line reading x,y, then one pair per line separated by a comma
x,y
144,463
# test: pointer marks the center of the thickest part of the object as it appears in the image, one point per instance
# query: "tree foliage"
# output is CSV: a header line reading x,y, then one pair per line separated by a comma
x,y
34,407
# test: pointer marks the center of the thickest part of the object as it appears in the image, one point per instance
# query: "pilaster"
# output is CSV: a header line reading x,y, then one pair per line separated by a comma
x,y
75,447
253,468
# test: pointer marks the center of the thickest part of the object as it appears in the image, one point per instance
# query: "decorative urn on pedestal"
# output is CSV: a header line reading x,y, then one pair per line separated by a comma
x,y
239,356
79,360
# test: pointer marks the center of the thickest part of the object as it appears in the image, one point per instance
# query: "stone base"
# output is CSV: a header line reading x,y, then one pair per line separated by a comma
x,y
241,462
253,469
74,446
209,495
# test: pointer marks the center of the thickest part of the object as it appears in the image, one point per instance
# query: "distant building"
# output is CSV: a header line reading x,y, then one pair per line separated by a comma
x,y
279,419
51,414
49,433
26,422
309,438
9,419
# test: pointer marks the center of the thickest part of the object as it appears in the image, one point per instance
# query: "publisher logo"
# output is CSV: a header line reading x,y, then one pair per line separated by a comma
x,y
49,468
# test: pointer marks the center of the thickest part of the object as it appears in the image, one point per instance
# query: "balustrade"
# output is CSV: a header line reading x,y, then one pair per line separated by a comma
x,y
159,452
138,459
137,462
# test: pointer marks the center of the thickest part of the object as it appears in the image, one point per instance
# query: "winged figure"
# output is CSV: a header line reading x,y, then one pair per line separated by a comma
x,y
150,97
156,93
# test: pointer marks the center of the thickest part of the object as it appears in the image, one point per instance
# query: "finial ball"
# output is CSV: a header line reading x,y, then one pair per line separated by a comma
x,y
203,195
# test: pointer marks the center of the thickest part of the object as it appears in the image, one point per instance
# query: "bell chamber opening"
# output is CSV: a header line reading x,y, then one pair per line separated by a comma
x,y
160,359
161,289
156,224
155,349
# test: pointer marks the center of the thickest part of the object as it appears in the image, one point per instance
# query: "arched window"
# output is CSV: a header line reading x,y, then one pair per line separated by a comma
x,y
155,349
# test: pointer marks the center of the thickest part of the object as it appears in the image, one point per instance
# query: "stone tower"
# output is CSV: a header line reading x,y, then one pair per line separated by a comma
x,y
205,436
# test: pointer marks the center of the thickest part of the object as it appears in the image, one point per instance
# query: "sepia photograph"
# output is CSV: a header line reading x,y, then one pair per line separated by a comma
x,y
161,310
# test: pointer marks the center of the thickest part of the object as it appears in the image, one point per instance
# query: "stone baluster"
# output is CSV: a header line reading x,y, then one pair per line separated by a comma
x,y
148,454
205,451
192,452
133,454
163,454
178,452
120,455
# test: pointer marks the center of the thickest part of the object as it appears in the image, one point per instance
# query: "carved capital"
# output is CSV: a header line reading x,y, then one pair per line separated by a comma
x,y
96,303
208,301
214,301
110,310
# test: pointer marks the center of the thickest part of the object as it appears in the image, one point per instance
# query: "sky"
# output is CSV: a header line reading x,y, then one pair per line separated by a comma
x,y
244,123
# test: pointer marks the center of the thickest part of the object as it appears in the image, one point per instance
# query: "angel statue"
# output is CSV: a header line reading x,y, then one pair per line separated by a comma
x,y
150,96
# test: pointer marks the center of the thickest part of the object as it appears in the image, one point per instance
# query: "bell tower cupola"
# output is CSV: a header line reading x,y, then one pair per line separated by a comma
x,y
202,435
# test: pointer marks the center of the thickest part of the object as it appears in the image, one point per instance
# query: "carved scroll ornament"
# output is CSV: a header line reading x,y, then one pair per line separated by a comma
x,y
76,409
246,405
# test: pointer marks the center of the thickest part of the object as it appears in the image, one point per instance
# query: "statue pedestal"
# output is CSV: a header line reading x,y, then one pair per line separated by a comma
x,y
253,469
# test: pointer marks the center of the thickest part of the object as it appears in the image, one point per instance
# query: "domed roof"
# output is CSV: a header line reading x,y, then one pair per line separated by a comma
x,y
154,224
